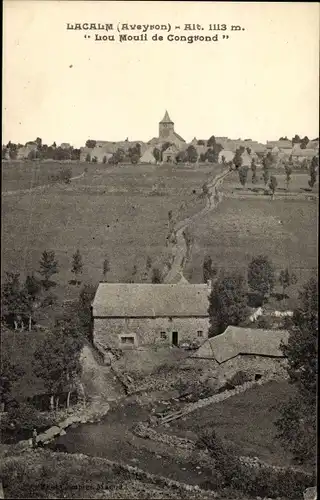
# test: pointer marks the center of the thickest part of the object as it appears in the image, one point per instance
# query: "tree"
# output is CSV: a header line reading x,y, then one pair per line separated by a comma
x,y
211,141
77,265
182,157
286,279
261,275
295,140
243,175
156,275
9,373
297,424
266,176
104,159
86,297
135,158
90,143
237,159
157,154
192,155
304,142
65,175
148,263
200,143
285,138
254,171
249,151
32,294
313,171
273,184
48,268
57,360
209,271
88,158
105,268
227,303
288,171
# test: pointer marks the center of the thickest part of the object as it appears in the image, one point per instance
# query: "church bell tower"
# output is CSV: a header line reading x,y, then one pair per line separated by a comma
x,y
166,126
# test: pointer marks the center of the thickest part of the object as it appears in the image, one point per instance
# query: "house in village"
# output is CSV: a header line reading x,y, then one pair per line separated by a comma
x,y
148,157
300,155
256,352
145,315
169,155
24,152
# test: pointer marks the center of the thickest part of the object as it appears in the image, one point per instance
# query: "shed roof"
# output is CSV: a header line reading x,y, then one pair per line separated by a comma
x,y
150,300
235,341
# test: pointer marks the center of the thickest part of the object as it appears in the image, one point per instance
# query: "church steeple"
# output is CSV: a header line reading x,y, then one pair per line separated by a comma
x,y
166,127
166,118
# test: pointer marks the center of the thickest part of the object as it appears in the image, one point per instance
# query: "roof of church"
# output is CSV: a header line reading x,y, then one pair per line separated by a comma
x,y
166,118
150,300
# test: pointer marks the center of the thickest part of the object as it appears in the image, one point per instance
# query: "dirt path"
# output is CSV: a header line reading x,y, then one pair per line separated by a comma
x,y
98,379
180,248
36,188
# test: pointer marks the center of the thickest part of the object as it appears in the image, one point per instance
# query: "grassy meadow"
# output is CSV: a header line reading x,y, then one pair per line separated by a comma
x,y
239,229
246,421
116,212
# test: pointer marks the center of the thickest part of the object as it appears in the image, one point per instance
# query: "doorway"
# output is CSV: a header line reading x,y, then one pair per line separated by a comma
x,y
175,338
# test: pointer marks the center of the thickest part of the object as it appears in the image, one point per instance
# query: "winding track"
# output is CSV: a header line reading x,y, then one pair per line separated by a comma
x,y
36,188
180,248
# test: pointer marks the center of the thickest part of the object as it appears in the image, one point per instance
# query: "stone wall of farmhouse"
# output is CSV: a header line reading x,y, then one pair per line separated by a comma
x,y
218,374
108,332
252,365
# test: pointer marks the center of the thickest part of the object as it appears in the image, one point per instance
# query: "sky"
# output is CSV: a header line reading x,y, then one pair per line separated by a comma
x,y
260,83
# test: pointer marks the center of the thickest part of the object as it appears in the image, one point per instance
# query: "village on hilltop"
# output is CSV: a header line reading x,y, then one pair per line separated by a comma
x,y
168,147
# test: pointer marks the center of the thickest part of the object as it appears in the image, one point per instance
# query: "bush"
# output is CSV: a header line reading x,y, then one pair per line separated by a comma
x,y
239,378
257,480
24,417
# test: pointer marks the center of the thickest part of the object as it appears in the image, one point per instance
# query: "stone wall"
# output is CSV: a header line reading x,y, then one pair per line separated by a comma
x,y
252,365
147,331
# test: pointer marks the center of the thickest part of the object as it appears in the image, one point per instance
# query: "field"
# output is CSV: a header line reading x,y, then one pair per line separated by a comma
x,y
285,230
116,212
245,421
298,183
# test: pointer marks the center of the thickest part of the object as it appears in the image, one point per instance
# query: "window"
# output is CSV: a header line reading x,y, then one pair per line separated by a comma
x,y
200,333
127,340
163,335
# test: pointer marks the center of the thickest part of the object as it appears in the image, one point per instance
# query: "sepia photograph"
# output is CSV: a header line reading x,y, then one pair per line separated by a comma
x,y
159,250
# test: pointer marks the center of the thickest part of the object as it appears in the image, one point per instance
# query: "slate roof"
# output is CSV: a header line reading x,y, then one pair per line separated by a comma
x,y
129,300
308,153
166,118
148,157
279,144
235,341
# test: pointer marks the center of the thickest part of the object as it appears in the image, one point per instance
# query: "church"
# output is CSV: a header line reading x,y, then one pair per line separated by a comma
x,y
167,133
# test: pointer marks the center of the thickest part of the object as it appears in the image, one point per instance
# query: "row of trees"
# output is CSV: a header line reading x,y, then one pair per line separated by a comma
x,y
22,300
43,151
132,155
268,179
228,303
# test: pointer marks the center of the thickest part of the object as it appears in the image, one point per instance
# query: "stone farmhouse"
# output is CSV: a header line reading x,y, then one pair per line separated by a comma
x,y
254,351
138,316
24,152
